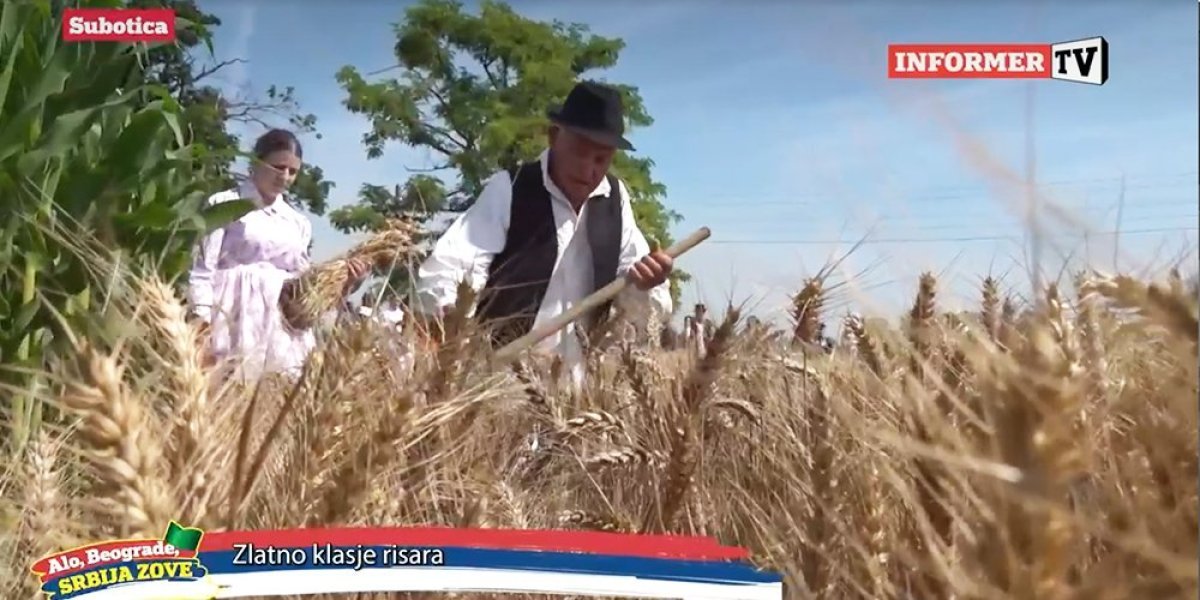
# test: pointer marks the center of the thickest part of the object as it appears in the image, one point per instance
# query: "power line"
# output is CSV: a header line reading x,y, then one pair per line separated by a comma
x,y
1174,209
969,201
934,225
954,191
916,223
978,238
815,198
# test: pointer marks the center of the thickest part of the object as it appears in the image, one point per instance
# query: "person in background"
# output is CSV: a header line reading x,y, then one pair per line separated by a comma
x,y
239,270
826,341
698,329
392,312
401,350
755,328
385,311
366,306
346,313
669,338
543,236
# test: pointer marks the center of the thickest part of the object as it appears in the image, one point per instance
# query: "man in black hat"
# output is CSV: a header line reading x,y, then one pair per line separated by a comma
x,y
544,235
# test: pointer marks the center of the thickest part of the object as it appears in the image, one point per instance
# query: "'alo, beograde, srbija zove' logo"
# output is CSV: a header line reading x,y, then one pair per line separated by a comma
x,y
118,25
1081,61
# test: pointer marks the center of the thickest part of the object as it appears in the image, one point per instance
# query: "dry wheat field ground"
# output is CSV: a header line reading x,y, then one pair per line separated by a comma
x,y
1045,449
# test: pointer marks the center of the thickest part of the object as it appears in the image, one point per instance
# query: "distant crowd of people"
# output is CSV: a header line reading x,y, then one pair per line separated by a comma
x,y
387,310
698,330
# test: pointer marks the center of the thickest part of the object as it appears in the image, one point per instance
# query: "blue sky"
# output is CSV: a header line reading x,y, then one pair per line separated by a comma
x,y
775,125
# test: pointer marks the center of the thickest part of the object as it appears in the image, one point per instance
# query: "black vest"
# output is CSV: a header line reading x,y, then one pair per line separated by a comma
x,y
519,275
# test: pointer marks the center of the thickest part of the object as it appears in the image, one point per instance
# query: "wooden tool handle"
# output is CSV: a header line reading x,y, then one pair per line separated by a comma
x,y
595,300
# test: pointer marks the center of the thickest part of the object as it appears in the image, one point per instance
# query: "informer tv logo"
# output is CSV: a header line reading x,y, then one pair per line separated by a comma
x,y
1081,61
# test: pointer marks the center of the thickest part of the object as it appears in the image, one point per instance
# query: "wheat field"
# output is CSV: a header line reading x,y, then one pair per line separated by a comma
x,y
1038,451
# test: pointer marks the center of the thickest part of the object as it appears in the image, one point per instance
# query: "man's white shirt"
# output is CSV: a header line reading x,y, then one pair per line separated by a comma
x,y
466,249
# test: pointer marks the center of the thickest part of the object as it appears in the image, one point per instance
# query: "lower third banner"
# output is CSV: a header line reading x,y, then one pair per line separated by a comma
x,y
187,563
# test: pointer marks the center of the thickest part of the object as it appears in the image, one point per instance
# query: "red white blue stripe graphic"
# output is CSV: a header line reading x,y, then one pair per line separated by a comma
x,y
311,561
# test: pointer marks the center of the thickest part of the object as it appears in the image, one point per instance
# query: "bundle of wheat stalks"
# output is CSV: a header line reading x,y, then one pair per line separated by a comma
x,y
1044,451
320,289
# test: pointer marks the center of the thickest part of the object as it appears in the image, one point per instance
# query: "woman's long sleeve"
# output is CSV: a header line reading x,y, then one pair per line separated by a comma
x,y
200,278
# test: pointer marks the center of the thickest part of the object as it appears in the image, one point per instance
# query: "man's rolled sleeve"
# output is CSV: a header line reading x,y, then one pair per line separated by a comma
x,y
634,302
466,249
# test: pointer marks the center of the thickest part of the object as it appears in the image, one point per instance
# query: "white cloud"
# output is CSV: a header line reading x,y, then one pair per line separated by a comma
x,y
236,79
240,72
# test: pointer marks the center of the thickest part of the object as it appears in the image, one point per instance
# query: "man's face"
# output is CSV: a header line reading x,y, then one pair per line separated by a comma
x,y
579,164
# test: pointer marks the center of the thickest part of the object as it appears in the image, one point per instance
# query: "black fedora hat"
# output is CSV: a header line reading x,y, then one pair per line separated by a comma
x,y
595,111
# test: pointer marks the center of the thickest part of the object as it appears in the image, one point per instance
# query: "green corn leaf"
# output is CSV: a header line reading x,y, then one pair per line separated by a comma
x,y
63,134
12,32
61,138
12,14
155,216
26,314
53,78
219,215
138,145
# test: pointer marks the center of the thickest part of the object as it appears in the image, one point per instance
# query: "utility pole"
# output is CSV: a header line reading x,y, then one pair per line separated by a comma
x,y
1032,208
1087,210
1117,229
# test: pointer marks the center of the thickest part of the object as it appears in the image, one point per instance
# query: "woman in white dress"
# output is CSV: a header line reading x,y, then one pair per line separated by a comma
x,y
239,270
698,330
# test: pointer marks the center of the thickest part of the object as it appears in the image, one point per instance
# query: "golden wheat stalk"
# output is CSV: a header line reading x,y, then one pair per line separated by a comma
x,y
806,311
192,439
122,442
979,480
44,511
322,287
1174,311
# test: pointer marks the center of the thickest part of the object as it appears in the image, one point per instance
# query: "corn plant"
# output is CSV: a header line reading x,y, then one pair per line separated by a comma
x,y
88,151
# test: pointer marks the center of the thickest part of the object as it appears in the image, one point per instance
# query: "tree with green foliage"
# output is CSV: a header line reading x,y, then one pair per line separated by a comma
x,y
184,71
486,116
